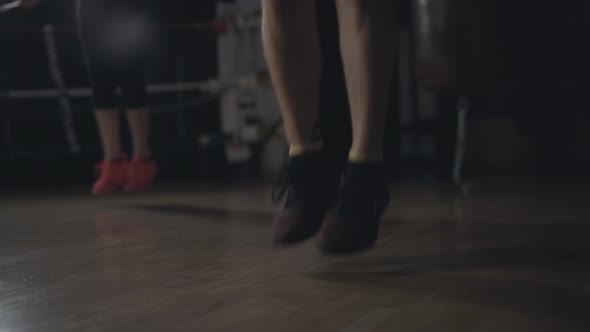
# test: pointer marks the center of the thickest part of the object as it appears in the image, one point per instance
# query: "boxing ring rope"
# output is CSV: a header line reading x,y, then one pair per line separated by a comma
x,y
212,86
212,89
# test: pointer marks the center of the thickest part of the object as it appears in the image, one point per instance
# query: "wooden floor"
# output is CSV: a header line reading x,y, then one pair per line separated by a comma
x,y
513,256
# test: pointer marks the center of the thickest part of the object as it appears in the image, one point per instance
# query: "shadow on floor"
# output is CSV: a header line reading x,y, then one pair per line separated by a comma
x,y
221,214
551,282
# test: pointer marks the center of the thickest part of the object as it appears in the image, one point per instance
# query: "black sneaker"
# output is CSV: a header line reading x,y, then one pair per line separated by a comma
x,y
310,186
352,225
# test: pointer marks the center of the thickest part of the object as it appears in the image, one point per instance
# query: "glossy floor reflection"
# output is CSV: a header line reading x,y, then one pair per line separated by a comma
x,y
513,256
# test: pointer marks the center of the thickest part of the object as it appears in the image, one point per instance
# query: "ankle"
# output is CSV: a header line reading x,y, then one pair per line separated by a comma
x,y
364,156
301,149
143,155
113,154
116,159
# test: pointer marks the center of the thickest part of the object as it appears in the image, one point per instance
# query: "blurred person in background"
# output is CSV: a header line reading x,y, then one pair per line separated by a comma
x,y
346,214
117,37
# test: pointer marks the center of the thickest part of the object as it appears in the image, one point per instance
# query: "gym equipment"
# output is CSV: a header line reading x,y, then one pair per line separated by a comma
x,y
456,45
456,48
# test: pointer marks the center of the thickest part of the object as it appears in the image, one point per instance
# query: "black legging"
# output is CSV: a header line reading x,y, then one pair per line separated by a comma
x,y
116,60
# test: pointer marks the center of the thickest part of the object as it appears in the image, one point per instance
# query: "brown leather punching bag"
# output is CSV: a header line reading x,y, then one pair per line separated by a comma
x,y
456,45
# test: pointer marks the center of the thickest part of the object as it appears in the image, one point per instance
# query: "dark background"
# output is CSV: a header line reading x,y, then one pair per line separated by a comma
x,y
37,150
543,92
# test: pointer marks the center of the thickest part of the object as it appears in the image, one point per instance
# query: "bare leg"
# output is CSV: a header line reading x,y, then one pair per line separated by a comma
x,y
366,40
142,169
139,127
366,30
292,47
292,50
109,130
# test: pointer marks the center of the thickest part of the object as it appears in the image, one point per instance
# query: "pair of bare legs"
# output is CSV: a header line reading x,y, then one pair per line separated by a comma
x,y
292,49
109,127
135,175
347,221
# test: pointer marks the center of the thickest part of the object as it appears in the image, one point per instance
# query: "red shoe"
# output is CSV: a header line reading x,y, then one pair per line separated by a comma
x,y
112,176
140,175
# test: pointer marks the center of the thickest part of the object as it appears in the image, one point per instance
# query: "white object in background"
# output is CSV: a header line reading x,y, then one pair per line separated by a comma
x,y
240,54
237,152
250,134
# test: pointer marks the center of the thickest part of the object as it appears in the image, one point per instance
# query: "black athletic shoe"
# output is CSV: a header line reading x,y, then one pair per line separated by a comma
x,y
310,186
352,225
